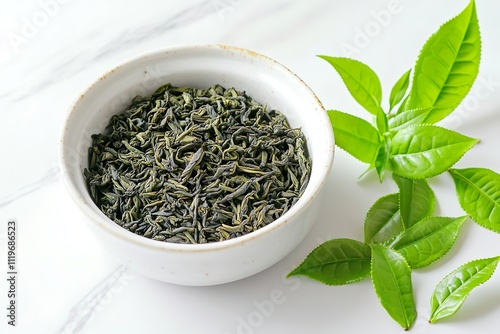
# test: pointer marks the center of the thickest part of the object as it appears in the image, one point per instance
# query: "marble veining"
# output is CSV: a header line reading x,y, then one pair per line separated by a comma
x,y
51,176
86,308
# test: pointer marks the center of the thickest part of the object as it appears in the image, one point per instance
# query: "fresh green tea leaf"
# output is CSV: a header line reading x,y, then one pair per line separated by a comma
x,y
336,262
382,160
424,151
408,117
402,105
381,120
360,80
452,291
391,277
447,66
383,221
355,135
399,89
416,200
478,191
428,240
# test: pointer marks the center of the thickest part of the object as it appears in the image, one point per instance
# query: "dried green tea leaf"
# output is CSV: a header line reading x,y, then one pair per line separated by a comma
x,y
478,191
416,200
360,80
451,292
383,221
428,240
424,151
354,135
189,165
447,66
336,262
391,277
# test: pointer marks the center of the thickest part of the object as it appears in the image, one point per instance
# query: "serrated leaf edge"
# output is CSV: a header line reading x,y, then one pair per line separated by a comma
x,y
291,273
443,24
342,148
436,126
370,210
403,126
467,294
433,206
475,219
375,288
407,79
324,57
446,252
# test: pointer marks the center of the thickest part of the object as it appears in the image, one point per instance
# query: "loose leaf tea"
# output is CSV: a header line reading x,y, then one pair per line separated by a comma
x,y
196,166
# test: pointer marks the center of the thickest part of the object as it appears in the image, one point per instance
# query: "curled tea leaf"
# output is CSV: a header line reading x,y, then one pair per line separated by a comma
x,y
382,159
381,121
399,89
416,200
190,165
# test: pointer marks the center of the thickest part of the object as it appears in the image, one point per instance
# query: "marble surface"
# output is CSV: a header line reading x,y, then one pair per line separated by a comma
x,y
50,50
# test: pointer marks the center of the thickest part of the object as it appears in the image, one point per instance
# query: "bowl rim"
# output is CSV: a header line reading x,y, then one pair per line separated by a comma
x,y
102,221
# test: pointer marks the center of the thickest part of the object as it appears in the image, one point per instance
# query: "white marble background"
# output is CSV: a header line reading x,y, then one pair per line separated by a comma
x,y
50,50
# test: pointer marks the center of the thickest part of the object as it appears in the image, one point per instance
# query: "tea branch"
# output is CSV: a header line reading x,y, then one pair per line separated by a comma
x,y
401,232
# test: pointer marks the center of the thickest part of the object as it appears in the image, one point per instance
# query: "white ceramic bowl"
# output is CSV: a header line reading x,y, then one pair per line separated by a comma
x,y
199,66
